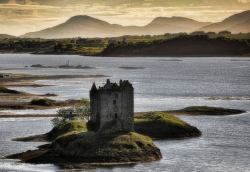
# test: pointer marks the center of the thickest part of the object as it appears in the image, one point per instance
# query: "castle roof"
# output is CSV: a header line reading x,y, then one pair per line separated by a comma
x,y
109,86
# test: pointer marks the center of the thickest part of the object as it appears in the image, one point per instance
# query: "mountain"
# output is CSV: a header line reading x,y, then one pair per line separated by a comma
x,y
236,23
86,26
163,25
89,27
78,26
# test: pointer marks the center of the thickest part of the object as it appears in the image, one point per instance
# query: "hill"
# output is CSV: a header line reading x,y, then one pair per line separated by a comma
x,y
185,45
163,25
236,23
89,27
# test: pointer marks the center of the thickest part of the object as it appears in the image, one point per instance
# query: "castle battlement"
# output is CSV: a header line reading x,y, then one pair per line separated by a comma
x,y
112,86
112,103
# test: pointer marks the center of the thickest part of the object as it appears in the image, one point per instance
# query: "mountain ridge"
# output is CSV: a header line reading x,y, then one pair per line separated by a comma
x,y
87,26
90,27
6,36
236,23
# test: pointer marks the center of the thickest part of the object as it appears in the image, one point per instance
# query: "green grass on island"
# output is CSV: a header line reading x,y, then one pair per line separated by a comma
x,y
162,125
158,125
68,127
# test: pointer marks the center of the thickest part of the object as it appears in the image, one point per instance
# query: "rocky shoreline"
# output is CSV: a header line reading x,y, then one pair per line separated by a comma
x,y
92,147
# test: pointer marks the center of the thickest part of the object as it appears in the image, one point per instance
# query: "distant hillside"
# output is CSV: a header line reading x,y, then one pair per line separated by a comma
x,y
163,25
235,24
78,26
167,45
5,36
86,26
187,45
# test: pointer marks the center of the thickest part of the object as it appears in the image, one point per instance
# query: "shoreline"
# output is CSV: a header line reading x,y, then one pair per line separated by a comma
x,y
28,116
27,80
127,56
17,100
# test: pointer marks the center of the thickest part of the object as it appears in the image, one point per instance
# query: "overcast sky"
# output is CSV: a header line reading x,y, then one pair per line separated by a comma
x,y
21,16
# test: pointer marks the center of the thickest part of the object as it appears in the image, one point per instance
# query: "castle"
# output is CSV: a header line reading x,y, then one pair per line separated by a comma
x,y
112,107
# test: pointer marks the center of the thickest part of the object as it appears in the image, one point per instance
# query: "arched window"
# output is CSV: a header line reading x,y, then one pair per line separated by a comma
x,y
114,102
116,116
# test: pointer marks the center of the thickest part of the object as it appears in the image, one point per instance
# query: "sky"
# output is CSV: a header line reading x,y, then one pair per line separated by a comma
x,y
21,16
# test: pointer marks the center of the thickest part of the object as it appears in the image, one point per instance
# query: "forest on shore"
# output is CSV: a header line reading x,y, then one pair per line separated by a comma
x,y
194,44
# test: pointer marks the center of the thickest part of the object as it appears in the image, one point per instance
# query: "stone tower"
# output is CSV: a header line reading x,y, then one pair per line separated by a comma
x,y
112,106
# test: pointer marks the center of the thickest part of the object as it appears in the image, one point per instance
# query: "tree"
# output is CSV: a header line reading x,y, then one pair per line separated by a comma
x,y
77,112
198,33
58,47
224,33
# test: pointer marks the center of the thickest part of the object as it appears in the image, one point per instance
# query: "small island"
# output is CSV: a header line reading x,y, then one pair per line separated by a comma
x,y
65,66
131,67
206,110
110,138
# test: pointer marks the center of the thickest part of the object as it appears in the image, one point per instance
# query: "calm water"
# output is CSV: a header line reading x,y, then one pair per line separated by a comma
x,y
163,84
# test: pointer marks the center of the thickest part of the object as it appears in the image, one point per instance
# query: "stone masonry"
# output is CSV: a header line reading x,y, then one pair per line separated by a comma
x,y
112,107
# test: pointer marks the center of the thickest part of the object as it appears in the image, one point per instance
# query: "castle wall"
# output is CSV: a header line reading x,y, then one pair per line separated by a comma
x,y
110,106
93,106
128,109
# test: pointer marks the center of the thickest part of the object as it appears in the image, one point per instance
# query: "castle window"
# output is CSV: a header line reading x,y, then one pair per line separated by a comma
x,y
114,102
116,95
115,115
